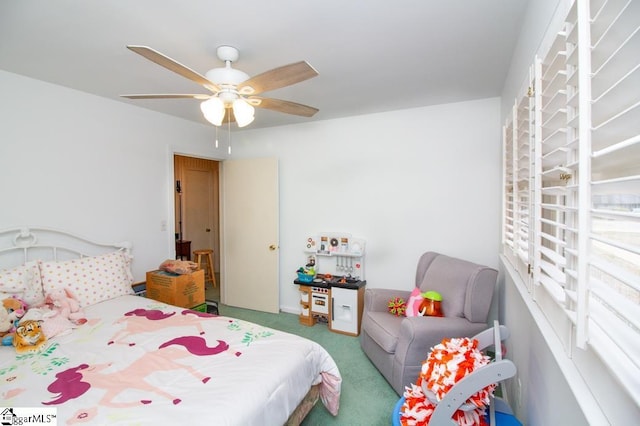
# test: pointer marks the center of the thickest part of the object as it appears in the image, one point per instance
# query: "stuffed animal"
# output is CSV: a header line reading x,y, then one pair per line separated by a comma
x,y
29,337
178,266
66,304
14,304
6,325
12,310
59,315
413,304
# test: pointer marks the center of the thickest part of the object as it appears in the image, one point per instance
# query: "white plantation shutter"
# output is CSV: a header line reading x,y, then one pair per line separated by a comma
x,y
557,151
576,219
613,296
518,176
508,237
522,132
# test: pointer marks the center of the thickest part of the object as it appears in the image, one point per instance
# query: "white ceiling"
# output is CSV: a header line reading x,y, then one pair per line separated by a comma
x,y
372,55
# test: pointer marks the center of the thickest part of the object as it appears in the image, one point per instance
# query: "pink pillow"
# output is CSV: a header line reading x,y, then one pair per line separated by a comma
x,y
414,302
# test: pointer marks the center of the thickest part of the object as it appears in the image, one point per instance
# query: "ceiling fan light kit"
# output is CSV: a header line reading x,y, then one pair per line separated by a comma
x,y
213,110
233,91
243,112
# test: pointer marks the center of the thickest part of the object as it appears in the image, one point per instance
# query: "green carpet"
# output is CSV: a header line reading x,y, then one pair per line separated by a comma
x,y
367,399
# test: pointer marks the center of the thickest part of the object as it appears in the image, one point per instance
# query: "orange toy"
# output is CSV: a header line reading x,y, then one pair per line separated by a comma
x,y
29,337
431,304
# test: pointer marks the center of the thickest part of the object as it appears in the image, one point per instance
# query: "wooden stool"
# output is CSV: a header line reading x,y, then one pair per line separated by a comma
x,y
207,255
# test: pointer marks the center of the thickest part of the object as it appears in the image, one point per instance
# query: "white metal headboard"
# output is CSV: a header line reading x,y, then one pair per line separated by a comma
x,y
20,245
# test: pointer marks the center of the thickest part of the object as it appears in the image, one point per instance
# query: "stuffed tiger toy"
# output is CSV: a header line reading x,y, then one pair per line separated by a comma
x,y
29,337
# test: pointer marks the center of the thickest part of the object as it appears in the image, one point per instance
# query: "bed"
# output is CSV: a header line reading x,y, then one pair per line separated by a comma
x,y
136,360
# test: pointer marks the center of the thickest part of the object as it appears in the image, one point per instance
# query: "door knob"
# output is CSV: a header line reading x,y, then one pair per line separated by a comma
x,y
272,247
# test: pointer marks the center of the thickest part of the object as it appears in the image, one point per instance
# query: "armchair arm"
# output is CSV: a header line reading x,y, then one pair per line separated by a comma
x,y
419,334
377,299
416,337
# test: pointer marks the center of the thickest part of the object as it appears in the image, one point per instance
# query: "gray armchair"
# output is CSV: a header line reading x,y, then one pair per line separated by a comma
x,y
397,346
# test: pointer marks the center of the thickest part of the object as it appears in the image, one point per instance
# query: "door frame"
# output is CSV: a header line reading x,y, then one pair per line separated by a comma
x,y
191,202
169,225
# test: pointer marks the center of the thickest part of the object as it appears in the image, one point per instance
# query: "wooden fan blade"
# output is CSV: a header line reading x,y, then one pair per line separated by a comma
x,y
278,77
168,96
279,105
170,64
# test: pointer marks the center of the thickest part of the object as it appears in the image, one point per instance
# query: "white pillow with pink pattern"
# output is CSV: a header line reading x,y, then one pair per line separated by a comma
x,y
92,279
22,282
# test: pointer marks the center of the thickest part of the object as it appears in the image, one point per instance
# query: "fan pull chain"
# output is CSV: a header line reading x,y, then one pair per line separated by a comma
x,y
229,128
216,136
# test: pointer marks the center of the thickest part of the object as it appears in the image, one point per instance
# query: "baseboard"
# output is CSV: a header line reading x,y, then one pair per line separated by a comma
x,y
290,310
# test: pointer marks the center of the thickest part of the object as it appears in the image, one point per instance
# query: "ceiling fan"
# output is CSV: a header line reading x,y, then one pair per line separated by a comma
x,y
233,92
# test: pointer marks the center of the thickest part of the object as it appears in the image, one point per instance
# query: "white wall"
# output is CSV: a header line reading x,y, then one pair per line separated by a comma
x,y
546,396
406,181
95,167
541,16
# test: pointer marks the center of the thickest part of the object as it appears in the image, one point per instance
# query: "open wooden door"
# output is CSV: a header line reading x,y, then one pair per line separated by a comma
x,y
250,215
197,205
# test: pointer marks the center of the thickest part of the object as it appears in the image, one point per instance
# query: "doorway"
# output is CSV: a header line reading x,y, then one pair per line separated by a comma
x,y
197,207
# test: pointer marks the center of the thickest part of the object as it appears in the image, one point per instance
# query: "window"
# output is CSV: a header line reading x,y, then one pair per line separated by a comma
x,y
572,207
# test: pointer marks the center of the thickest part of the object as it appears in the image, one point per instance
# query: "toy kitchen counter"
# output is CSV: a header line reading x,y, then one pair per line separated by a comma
x,y
327,281
335,300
